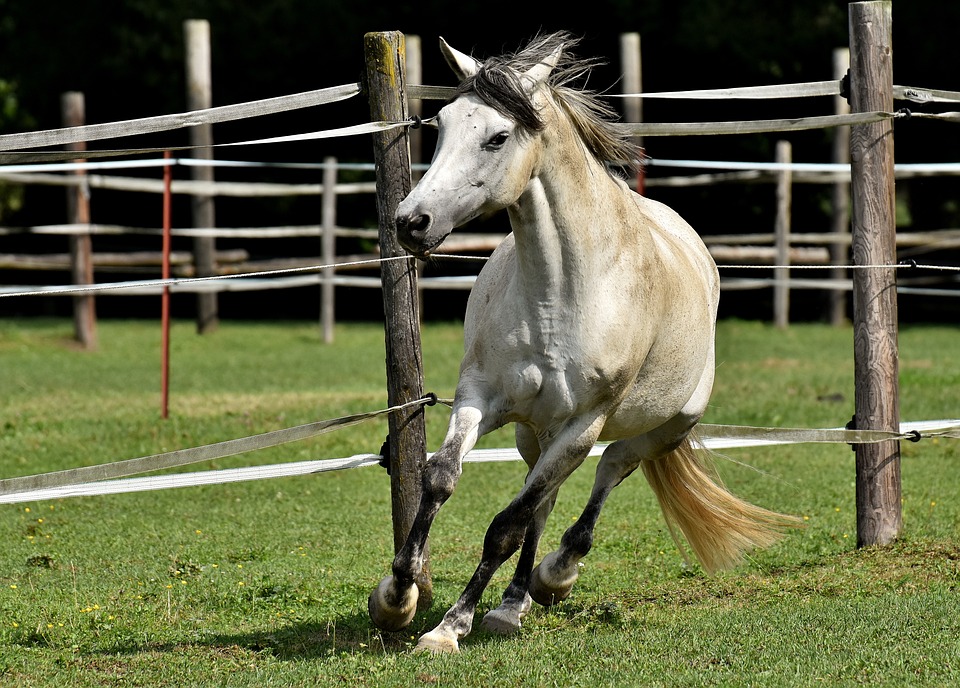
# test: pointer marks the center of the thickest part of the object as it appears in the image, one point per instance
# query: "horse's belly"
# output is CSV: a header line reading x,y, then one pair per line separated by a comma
x,y
641,413
659,393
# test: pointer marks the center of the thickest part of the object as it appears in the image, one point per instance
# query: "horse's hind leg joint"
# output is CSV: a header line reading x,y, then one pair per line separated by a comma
x,y
553,579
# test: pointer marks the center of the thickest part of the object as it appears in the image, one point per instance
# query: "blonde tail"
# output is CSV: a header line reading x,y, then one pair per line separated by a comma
x,y
720,527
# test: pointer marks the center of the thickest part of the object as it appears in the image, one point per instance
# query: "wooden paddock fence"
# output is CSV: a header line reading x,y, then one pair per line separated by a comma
x,y
784,246
873,241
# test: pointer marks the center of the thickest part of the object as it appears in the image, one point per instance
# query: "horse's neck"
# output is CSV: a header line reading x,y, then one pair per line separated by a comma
x,y
566,225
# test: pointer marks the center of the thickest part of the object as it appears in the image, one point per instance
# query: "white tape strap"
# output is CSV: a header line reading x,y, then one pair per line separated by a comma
x,y
944,116
754,126
815,88
801,435
369,128
712,437
60,156
149,125
194,479
226,113
418,92
803,90
183,457
925,95
731,436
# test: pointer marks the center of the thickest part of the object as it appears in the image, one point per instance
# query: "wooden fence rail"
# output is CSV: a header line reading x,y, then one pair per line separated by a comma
x,y
784,246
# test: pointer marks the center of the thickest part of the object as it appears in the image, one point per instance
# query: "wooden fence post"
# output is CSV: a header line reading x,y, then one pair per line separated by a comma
x,y
328,240
165,294
781,237
407,446
879,516
839,252
630,66
199,86
413,69
73,114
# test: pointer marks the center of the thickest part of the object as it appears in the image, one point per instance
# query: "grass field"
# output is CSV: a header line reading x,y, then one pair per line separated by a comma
x,y
265,583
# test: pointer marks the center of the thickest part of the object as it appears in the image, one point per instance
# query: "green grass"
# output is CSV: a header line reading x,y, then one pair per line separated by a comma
x,y
264,583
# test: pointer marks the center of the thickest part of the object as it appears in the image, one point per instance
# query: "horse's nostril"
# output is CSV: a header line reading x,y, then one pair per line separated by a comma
x,y
413,225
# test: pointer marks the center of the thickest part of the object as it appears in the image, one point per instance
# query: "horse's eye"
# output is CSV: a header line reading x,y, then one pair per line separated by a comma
x,y
498,140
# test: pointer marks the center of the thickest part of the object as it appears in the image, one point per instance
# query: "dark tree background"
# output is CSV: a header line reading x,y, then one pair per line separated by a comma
x,y
127,58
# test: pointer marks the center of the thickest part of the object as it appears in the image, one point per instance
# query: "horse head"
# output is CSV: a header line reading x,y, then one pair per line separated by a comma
x,y
485,155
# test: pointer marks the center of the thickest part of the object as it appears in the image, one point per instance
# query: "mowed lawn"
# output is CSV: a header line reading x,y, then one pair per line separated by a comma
x,y
264,583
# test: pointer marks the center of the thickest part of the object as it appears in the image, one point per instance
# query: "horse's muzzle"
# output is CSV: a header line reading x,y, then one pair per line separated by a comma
x,y
413,233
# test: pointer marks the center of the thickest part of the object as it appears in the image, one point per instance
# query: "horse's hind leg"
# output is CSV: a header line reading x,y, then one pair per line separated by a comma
x,y
516,602
554,577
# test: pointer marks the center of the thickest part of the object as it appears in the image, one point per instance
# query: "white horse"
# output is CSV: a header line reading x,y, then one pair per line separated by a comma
x,y
593,321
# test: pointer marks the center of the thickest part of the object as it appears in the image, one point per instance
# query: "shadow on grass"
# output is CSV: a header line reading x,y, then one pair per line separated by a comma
x,y
348,635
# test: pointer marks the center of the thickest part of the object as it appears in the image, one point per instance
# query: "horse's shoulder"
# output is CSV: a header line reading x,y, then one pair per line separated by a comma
x,y
664,220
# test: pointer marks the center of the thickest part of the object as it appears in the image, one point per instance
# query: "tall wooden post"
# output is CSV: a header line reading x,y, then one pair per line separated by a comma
x,y
781,286
199,88
165,295
73,114
413,70
839,251
879,516
630,66
328,240
407,446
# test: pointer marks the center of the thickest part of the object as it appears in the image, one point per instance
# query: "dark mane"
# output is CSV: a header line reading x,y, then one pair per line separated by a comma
x,y
497,84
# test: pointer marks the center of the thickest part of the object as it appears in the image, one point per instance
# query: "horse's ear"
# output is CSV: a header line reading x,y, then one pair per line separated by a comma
x,y
462,65
539,72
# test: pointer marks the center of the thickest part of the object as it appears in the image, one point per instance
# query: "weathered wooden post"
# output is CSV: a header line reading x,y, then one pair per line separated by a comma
x,y
839,250
879,516
73,114
407,446
199,89
781,238
413,70
328,240
632,71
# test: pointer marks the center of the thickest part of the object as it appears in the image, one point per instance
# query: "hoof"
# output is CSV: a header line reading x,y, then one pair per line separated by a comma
x,y
549,592
389,610
437,642
501,621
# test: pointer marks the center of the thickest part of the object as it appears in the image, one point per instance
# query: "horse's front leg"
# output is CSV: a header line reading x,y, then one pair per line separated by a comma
x,y
393,603
506,532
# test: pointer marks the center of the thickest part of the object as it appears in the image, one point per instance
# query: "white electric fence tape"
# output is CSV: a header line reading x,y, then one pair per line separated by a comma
x,y
103,477
92,132
712,437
